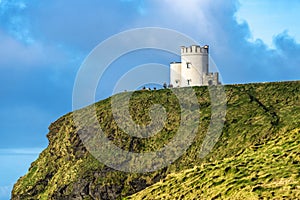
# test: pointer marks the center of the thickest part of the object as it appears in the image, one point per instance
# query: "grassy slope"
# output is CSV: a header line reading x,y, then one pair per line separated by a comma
x,y
270,170
255,113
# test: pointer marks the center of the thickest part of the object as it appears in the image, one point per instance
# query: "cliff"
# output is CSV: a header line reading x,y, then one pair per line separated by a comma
x,y
261,129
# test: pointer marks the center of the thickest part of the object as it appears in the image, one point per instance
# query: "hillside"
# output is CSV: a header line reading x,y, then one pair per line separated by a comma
x,y
260,119
270,170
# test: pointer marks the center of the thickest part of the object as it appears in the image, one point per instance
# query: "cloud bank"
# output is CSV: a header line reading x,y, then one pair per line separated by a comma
x,y
238,59
74,28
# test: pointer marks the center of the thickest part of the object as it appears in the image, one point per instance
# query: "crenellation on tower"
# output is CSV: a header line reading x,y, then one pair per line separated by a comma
x,y
193,70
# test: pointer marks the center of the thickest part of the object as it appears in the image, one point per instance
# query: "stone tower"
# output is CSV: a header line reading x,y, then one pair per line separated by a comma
x,y
193,70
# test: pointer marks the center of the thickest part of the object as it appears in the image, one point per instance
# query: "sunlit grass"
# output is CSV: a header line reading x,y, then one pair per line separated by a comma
x,y
255,156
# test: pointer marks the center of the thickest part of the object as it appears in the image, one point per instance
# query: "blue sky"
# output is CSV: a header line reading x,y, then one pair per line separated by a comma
x,y
43,43
278,15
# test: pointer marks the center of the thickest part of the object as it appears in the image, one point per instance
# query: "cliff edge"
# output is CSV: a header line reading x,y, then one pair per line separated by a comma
x,y
256,114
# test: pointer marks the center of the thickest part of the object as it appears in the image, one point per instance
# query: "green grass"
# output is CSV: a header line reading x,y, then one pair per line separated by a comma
x,y
270,171
256,114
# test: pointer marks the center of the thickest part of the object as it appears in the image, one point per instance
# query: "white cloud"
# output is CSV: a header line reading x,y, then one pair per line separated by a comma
x,y
190,10
269,18
215,23
15,53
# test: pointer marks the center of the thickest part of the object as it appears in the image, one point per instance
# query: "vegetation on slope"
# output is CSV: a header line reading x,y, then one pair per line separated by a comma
x,y
66,170
270,170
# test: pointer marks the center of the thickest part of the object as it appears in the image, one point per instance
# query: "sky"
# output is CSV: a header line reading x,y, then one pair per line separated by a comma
x,y
43,44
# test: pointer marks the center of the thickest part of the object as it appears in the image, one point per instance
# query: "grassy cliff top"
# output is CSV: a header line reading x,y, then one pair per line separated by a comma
x,y
257,114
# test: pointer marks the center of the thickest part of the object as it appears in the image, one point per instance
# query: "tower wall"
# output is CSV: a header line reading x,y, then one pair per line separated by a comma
x,y
194,64
175,74
211,79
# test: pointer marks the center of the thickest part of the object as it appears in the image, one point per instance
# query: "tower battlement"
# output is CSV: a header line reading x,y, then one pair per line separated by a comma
x,y
193,70
195,49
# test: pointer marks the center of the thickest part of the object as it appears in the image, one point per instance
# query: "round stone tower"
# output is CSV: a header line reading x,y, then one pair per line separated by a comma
x,y
194,65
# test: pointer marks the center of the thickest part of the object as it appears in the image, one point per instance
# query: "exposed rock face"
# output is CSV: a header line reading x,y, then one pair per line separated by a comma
x,y
66,170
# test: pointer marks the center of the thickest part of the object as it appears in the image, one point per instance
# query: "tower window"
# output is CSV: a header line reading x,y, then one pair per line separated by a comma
x,y
188,65
189,81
